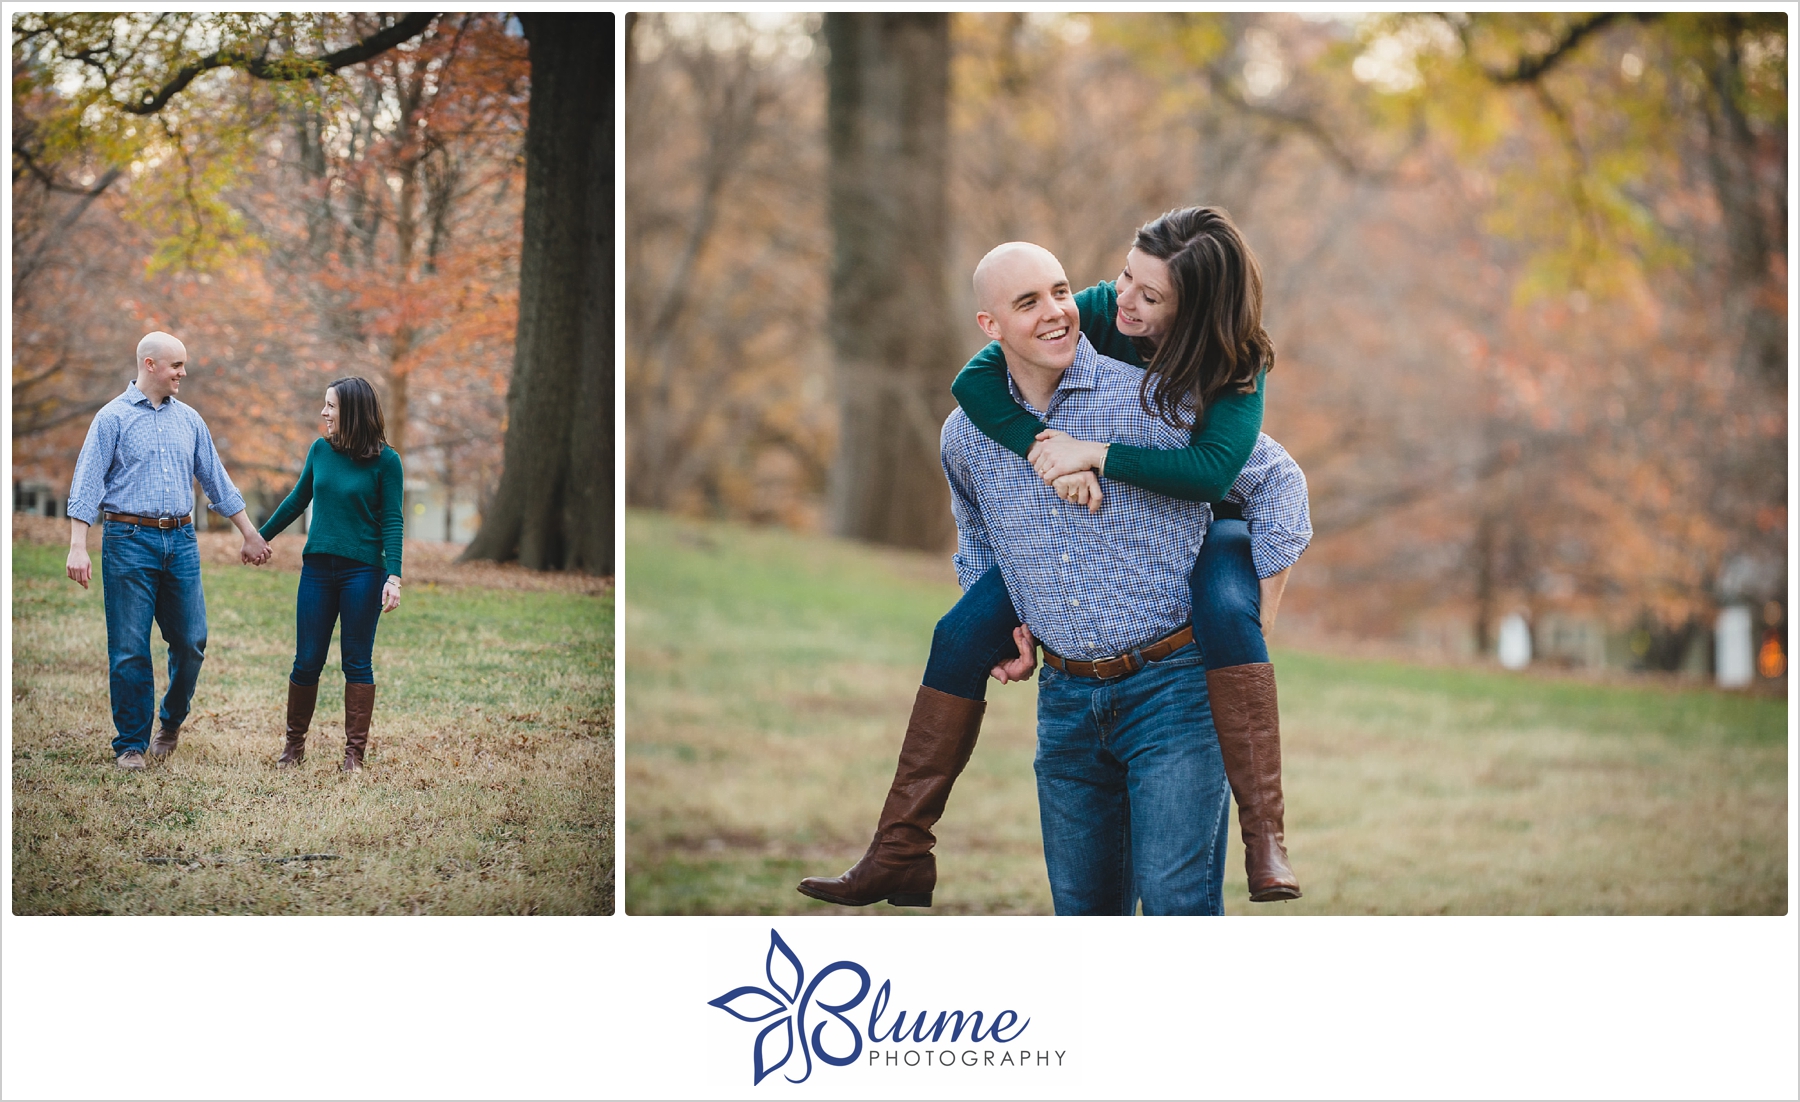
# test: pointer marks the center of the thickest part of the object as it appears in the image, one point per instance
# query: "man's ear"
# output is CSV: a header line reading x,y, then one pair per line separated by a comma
x,y
988,324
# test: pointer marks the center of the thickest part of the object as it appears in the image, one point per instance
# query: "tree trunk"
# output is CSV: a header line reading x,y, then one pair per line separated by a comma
x,y
554,505
890,308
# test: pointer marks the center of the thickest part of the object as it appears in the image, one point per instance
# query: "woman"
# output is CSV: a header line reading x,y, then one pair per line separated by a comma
x,y
1188,308
351,568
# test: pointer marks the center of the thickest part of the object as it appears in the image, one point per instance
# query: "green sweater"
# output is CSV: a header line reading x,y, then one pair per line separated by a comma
x,y
1202,471
356,506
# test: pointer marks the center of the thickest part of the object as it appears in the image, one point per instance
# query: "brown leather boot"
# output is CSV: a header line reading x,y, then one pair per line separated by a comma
x,y
164,743
1249,725
301,699
898,865
359,704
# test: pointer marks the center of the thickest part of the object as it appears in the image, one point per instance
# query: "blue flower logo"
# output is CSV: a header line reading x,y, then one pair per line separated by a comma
x,y
787,1000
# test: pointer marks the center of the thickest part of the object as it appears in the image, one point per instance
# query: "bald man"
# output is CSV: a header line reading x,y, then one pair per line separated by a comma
x,y
137,467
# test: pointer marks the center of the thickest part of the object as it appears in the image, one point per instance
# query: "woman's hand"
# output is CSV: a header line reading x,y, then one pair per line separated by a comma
x,y
1057,453
1018,669
1080,488
390,594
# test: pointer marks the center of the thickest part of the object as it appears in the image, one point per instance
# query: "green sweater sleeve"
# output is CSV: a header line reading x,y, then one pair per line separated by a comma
x,y
1206,468
980,387
296,501
393,520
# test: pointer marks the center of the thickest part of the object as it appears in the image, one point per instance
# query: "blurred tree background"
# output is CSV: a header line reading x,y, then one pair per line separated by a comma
x,y
301,197
1526,277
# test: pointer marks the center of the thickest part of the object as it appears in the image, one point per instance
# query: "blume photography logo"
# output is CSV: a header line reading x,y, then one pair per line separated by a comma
x,y
812,1019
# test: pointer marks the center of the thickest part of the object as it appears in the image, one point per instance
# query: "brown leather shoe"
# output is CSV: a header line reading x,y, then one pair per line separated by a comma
x,y
1249,726
898,865
130,759
359,705
301,699
164,743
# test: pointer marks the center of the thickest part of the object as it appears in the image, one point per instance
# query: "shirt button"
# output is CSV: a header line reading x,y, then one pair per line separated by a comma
x,y
1065,558
1075,601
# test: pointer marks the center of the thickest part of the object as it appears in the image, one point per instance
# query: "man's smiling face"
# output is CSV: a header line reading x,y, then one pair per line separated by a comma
x,y
163,369
1027,305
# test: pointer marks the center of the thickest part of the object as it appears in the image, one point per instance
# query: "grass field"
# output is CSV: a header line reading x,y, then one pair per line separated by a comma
x,y
489,780
769,675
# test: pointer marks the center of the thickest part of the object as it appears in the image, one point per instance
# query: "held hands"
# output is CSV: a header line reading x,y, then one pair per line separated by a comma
x,y
256,550
390,594
1057,453
1020,668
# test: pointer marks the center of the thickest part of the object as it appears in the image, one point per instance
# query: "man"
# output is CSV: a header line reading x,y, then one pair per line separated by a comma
x,y
1131,786
138,466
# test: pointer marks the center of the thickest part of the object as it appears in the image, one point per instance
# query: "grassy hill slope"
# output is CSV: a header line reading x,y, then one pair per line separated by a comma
x,y
768,678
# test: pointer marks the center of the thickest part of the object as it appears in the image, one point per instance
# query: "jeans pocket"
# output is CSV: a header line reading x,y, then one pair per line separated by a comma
x,y
117,529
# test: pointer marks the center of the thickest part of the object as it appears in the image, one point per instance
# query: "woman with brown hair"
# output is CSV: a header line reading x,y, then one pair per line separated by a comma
x,y
351,562
1187,308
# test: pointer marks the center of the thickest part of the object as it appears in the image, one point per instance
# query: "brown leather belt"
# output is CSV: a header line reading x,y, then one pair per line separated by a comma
x,y
1118,666
151,522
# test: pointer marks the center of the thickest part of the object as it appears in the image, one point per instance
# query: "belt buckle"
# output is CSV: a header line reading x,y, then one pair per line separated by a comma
x,y
165,522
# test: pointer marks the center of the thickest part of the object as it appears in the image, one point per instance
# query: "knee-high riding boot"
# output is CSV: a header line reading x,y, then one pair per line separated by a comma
x,y
1249,725
301,699
359,705
898,865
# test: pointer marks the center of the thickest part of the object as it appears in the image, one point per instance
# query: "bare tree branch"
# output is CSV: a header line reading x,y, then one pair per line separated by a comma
x,y
286,69
1529,68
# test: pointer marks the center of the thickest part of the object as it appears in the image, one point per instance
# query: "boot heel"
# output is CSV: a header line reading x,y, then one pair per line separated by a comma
x,y
910,899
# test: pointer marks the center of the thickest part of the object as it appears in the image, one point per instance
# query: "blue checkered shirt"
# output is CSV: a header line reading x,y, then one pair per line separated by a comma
x,y
143,459
1096,585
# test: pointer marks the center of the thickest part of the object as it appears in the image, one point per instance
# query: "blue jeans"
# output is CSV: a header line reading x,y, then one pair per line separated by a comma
x,y
333,588
1227,599
150,574
1131,791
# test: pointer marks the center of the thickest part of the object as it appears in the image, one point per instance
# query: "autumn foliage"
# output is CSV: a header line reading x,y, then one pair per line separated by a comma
x,y
360,222
1526,279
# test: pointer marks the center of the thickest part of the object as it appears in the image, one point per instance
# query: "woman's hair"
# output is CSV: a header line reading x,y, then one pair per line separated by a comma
x,y
361,433
1217,342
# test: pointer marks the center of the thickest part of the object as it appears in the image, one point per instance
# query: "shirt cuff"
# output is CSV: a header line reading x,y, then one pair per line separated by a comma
x,y
86,512
230,507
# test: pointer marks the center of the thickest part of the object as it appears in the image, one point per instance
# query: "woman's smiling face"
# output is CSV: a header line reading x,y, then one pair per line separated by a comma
x,y
1146,297
330,413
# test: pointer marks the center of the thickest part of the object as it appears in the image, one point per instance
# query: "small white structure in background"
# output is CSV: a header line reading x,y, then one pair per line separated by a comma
x,y
1515,642
1736,655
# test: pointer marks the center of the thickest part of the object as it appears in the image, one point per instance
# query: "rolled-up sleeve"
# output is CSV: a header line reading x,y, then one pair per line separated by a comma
x,y
222,497
1279,517
974,551
88,486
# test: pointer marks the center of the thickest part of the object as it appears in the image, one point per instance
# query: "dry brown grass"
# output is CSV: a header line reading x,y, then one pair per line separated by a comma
x,y
489,787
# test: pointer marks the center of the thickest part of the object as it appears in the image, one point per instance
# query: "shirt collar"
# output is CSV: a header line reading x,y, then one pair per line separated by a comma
x,y
1081,375
136,396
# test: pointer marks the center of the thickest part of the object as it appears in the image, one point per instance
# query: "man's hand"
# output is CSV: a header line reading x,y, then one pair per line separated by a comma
x,y
1020,668
1057,453
256,550
1080,488
1271,597
81,569
390,594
